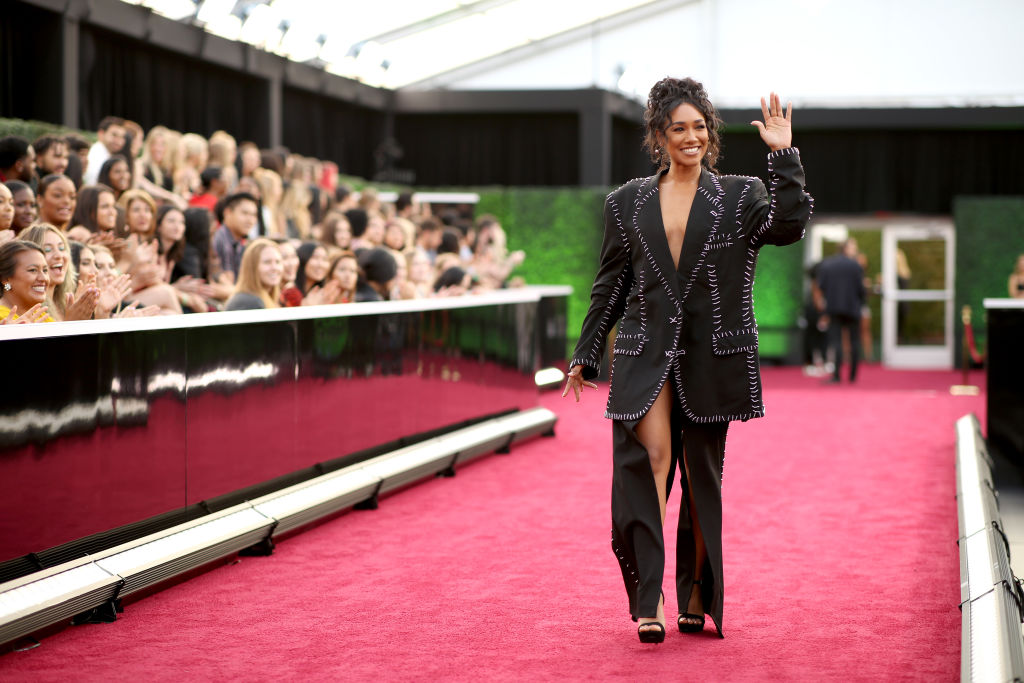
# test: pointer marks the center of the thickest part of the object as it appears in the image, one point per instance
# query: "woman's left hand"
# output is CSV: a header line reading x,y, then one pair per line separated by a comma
x,y
776,131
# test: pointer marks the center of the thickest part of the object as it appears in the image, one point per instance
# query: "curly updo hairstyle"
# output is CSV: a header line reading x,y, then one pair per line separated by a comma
x,y
665,96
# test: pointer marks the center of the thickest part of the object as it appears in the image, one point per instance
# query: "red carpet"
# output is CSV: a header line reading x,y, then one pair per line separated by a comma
x,y
840,564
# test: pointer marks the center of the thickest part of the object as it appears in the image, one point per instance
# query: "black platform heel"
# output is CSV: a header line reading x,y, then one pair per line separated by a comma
x,y
654,631
687,627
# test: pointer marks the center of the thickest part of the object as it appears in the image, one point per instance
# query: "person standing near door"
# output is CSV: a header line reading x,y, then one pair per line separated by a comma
x,y
841,280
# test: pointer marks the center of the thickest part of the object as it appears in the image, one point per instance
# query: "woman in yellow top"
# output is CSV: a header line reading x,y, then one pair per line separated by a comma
x,y
24,279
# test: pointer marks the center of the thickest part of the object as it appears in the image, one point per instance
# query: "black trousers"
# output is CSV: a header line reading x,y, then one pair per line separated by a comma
x,y
838,323
637,532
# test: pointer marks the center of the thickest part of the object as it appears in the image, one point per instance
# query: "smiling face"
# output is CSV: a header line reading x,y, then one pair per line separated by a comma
x,y
106,211
29,281
270,268
6,207
57,257
685,136
289,262
317,266
120,176
394,237
25,210
57,203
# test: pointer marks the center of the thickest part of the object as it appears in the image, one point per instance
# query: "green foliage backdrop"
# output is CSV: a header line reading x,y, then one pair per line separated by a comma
x,y
989,238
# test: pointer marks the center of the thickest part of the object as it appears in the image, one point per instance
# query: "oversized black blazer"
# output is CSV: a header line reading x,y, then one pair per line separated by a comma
x,y
696,321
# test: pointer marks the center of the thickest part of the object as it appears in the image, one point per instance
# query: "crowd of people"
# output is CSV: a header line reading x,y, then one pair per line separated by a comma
x,y
160,222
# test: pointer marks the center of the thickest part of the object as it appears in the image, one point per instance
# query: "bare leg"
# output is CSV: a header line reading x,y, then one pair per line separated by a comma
x,y
654,431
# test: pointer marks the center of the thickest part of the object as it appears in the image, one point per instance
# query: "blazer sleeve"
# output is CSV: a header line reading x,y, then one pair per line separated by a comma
x,y
608,295
780,218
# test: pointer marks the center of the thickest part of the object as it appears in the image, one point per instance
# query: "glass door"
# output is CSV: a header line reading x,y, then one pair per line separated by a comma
x,y
917,295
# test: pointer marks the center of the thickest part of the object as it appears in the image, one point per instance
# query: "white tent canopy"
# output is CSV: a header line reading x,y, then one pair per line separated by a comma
x,y
828,53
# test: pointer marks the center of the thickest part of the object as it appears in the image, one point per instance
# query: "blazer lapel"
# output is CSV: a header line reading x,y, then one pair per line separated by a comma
x,y
705,217
651,230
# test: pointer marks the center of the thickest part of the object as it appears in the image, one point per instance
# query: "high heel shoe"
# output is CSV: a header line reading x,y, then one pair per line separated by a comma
x,y
652,631
695,626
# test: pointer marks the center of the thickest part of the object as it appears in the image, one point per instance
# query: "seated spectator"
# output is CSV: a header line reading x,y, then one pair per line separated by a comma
x,y
248,159
419,273
17,159
110,140
399,234
95,217
153,170
213,188
139,213
335,233
295,209
57,198
223,151
116,174
271,193
170,238
314,267
115,288
357,221
193,154
259,277
379,270
429,238
25,210
112,290
454,281
6,214
237,215
79,147
345,271
64,300
148,287
24,281
51,155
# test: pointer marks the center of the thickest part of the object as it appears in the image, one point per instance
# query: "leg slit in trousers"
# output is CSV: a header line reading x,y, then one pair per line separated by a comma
x,y
637,531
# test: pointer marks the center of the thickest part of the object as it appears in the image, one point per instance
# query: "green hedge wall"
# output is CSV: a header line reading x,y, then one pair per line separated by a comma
x,y
989,238
30,130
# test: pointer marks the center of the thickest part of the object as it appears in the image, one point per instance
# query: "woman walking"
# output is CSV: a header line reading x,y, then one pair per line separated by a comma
x,y
677,267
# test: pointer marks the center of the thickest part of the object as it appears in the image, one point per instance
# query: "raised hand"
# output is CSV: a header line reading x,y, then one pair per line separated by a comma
x,y
776,130
576,382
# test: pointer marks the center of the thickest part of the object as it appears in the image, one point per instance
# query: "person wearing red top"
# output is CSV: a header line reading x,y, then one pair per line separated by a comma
x,y
214,188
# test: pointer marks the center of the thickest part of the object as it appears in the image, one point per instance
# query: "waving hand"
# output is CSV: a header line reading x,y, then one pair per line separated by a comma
x,y
776,130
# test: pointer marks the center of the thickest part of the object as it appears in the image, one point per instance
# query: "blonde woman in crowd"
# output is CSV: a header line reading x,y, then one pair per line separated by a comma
x,y
420,274
154,170
259,277
249,159
223,150
191,158
271,192
63,300
295,210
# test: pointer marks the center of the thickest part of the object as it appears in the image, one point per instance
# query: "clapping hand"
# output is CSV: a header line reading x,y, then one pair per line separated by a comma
x,y
776,131
32,315
327,294
113,294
